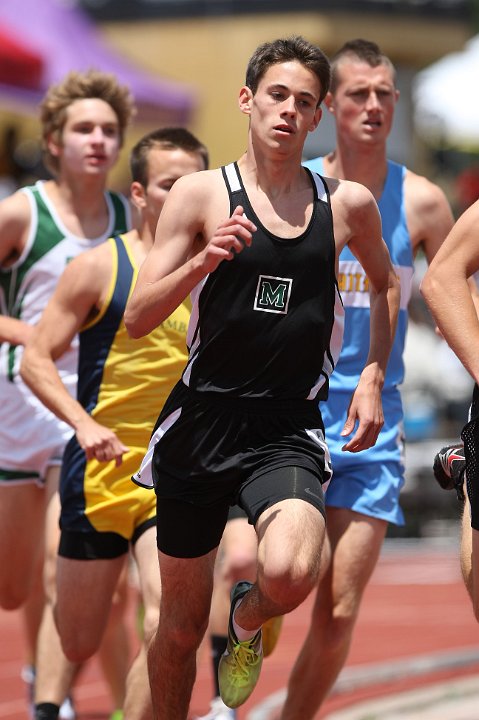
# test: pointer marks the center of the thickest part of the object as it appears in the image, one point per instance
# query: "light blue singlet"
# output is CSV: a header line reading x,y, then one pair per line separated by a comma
x,y
369,482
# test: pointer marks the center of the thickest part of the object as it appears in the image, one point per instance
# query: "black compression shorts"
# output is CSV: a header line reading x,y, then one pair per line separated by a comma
x,y
202,527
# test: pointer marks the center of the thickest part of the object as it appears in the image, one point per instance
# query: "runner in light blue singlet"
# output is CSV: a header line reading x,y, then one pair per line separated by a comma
x,y
369,482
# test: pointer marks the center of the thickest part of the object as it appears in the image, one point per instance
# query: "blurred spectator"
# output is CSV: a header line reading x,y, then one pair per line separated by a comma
x,y
9,170
20,162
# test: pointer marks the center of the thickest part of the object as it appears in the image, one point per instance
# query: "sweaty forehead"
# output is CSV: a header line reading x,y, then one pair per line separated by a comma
x,y
292,75
350,71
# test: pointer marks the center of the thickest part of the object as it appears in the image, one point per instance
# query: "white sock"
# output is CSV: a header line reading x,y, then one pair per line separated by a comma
x,y
240,632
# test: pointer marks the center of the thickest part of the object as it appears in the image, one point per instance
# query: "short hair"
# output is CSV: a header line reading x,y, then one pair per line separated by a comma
x,y
285,50
170,138
81,86
359,49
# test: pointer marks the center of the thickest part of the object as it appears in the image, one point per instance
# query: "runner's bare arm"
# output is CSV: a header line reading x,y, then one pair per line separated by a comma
x,y
73,302
430,220
181,257
446,289
362,227
14,226
428,214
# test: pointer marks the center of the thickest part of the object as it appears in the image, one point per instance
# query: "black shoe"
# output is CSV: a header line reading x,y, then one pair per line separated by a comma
x,y
449,467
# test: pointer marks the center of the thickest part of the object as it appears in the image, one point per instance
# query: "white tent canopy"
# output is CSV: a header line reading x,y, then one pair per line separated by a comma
x,y
446,100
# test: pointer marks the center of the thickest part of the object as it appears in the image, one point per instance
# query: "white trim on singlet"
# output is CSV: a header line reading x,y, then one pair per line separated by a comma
x,y
32,231
233,179
86,241
235,183
320,186
193,339
335,344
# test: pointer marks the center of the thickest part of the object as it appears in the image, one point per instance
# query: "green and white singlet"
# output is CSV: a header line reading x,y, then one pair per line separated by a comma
x,y
31,437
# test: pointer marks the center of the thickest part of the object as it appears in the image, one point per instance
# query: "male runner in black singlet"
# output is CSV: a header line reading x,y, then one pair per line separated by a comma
x,y
255,243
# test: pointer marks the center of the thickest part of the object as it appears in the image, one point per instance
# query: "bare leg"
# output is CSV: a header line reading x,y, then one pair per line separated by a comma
x,y
21,549
470,558
355,545
290,539
236,561
114,653
82,616
54,673
466,549
186,587
138,705
33,612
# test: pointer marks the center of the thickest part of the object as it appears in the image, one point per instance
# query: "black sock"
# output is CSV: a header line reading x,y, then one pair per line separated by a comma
x,y
218,646
46,711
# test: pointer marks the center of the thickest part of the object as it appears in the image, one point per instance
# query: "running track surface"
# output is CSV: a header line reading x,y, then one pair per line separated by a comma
x,y
415,606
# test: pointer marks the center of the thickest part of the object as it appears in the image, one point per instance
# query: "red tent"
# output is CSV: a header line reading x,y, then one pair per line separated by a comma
x,y
19,64
64,38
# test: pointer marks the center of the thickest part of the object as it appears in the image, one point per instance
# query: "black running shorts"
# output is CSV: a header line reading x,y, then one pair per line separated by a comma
x,y
220,452
95,545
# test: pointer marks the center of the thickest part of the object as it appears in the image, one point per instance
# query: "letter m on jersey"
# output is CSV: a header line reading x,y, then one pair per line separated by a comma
x,y
272,294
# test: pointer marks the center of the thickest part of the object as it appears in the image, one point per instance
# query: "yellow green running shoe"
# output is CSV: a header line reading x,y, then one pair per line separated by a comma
x,y
240,665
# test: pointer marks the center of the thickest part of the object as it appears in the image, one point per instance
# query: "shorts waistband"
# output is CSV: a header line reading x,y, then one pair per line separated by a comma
x,y
253,404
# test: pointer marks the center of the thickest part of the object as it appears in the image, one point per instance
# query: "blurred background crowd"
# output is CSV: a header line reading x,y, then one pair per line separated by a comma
x,y
184,59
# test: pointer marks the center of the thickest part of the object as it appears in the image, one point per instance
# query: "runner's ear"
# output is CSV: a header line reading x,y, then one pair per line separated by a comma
x,y
137,192
245,99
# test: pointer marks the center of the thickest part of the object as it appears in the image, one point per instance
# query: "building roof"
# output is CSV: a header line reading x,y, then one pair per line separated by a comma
x,y
141,9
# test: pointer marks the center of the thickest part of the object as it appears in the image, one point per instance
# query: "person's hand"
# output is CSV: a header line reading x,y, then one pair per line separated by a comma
x,y
365,412
99,442
230,238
